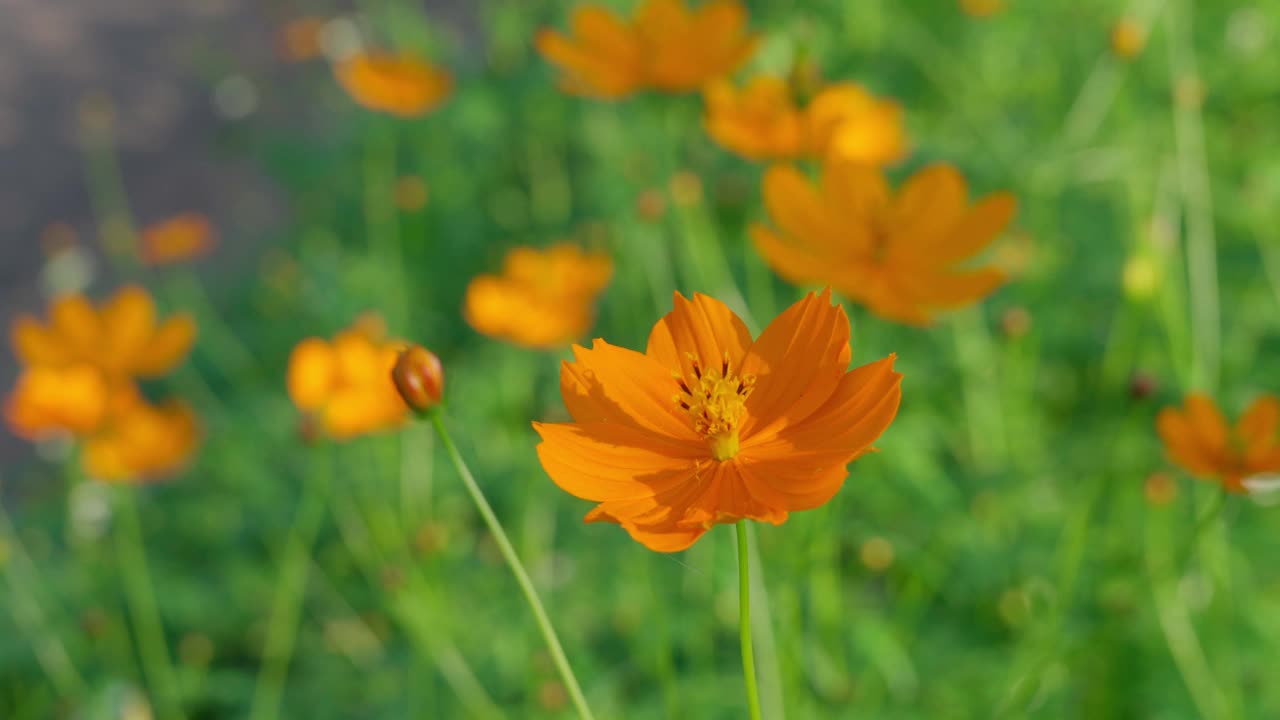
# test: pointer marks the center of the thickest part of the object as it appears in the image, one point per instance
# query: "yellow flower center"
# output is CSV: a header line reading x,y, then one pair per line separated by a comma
x,y
716,401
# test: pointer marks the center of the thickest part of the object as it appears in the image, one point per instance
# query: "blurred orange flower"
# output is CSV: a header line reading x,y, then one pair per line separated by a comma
x,y
666,46
762,121
300,38
897,255
1198,439
1128,38
543,299
121,337
140,441
182,237
346,383
981,8
708,426
397,84
52,400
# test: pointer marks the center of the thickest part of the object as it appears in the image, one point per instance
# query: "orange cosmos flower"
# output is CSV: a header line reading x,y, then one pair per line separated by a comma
x,y
182,237
708,426
52,400
898,255
140,441
762,121
666,46
121,336
346,383
300,38
543,299
397,84
1198,439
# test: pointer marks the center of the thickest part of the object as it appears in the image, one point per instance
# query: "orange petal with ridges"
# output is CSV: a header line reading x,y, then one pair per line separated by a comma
x,y
703,326
632,384
609,461
798,361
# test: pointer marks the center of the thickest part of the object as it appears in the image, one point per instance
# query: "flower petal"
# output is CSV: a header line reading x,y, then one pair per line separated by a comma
x,y
311,374
927,207
613,384
792,486
806,219
168,347
948,289
1185,444
859,193
1257,432
608,461
666,538
703,327
34,344
76,323
128,321
863,405
798,361
976,229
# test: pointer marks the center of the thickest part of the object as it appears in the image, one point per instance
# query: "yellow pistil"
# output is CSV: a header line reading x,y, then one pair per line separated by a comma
x,y
715,400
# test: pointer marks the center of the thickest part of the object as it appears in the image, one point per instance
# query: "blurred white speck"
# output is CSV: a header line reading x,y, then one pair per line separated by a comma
x,y
1247,31
340,39
71,270
89,511
1196,591
1263,489
235,97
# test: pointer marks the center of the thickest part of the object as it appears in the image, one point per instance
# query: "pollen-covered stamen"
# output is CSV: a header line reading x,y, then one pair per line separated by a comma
x,y
715,400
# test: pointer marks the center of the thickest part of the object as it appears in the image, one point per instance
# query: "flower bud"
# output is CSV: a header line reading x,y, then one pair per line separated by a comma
x,y
419,378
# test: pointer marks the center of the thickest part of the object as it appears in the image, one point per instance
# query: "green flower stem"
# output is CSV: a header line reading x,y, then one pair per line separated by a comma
x,y
744,621
517,569
140,595
22,582
282,632
1203,524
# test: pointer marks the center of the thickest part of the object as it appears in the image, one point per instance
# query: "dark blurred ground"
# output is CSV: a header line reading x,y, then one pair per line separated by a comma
x,y
182,80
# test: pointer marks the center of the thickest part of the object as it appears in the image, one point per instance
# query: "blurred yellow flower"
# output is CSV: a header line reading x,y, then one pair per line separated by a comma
x,y
666,46
182,237
140,441
345,384
1198,439
54,400
762,121
543,299
397,84
896,254
121,337
1127,39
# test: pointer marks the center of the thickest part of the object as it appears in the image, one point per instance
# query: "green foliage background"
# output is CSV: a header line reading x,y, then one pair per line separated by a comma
x,y
1030,577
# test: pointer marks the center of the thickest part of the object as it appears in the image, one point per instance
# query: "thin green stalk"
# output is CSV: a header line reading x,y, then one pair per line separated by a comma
x,y
414,611
140,594
23,583
282,632
1206,520
744,621
517,568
